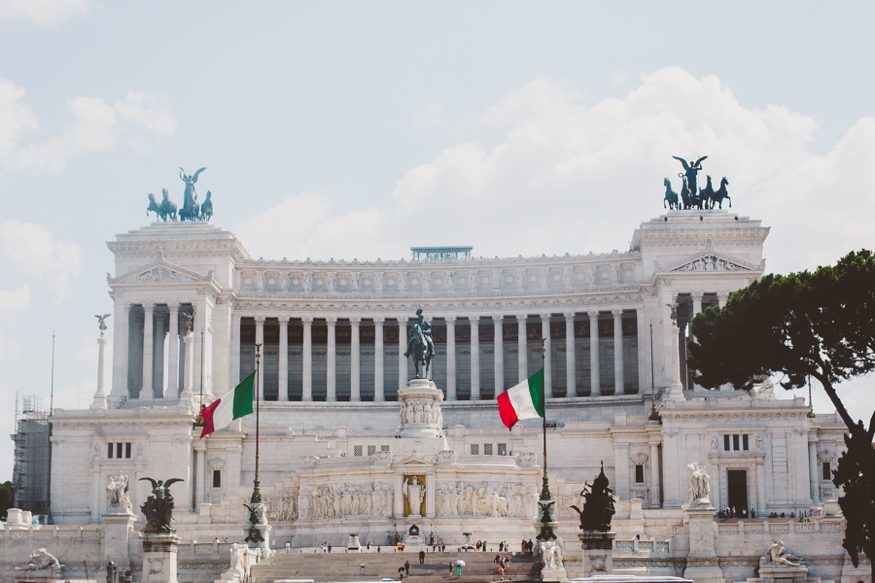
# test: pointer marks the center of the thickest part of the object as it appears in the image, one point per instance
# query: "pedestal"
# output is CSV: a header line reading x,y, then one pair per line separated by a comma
x,y
420,409
159,558
772,573
117,533
45,576
702,564
598,552
353,545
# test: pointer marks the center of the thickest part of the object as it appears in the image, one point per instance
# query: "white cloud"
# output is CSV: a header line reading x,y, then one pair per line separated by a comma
x,y
38,253
11,304
142,117
42,12
572,177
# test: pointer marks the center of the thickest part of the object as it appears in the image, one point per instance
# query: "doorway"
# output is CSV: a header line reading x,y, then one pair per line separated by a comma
x,y
736,480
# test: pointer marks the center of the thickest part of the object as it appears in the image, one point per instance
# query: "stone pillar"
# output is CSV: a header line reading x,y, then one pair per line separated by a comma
x,y
283,376
522,348
619,384
235,350
451,357
173,353
548,364
147,391
812,468
654,473
676,387
644,355
200,475
475,357
158,380
100,401
761,485
160,555
188,378
702,564
722,298
402,348
570,362
594,370
697,309
598,552
259,340
118,531
498,353
355,384
421,410
379,380
307,360
331,359
120,340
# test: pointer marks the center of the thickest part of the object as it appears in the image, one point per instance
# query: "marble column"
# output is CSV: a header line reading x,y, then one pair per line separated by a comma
x,y
654,474
158,380
100,401
475,357
697,309
451,357
594,367
307,360
379,391
200,478
283,373
498,353
722,298
235,350
331,359
146,391
173,353
120,340
813,474
355,383
644,355
402,348
259,339
761,486
570,361
188,369
522,348
548,364
619,384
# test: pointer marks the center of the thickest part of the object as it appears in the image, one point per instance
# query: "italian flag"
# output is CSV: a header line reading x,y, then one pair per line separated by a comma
x,y
524,401
234,405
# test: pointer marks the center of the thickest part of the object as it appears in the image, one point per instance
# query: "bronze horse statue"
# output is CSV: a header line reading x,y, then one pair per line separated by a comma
x,y
422,351
207,207
707,194
165,210
720,194
671,197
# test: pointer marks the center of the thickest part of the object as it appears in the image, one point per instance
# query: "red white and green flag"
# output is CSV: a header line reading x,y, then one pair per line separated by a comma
x,y
524,401
234,405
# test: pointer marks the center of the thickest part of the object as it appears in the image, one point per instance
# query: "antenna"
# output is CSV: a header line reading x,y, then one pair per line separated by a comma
x,y
52,391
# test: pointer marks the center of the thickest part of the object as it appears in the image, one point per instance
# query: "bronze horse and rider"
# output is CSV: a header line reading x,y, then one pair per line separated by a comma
x,y
692,197
191,210
420,344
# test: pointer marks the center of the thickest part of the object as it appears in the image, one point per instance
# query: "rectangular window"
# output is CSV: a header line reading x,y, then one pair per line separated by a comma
x,y
735,442
475,449
502,449
725,443
109,451
487,449
128,450
372,449
639,473
744,442
118,450
357,451
384,448
217,478
827,473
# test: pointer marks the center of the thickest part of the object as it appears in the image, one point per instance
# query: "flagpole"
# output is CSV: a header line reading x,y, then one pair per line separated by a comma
x,y
256,490
546,512
544,418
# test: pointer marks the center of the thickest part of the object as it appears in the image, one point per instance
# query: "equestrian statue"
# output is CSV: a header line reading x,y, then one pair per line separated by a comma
x,y
420,344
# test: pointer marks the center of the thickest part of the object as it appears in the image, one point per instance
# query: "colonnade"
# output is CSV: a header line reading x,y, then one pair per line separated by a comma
x,y
500,339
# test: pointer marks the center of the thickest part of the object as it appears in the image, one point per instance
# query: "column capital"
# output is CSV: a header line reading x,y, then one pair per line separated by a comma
x,y
173,306
723,296
148,306
379,320
127,308
617,313
545,316
697,295
474,319
569,315
307,320
522,317
259,320
331,320
593,314
283,320
450,320
355,321
497,319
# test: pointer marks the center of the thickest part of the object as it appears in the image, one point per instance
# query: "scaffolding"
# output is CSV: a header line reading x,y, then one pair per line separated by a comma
x,y
31,474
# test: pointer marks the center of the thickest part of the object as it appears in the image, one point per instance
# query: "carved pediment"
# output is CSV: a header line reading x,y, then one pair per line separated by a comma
x,y
415,460
709,261
160,271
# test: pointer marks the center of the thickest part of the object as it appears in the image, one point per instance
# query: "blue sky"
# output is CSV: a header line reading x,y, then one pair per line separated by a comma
x,y
359,129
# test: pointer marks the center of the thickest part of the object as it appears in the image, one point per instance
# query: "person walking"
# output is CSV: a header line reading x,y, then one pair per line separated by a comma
x,y
421,557
407,568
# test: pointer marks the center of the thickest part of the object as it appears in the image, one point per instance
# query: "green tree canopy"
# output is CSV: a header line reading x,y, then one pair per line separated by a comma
x,y
819,325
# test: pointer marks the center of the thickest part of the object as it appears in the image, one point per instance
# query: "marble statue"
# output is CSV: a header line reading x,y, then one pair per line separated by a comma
x,y
700,484
548,554
158,507
778,555
420,344
41,560
414,492
237,552
117,492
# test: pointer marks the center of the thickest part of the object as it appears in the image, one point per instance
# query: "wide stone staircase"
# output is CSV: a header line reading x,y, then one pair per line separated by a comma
x,y
341,566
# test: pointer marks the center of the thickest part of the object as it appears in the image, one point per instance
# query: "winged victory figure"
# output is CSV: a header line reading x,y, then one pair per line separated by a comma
x,y
691,169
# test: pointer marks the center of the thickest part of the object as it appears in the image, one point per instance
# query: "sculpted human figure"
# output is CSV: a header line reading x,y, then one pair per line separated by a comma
x,y
117,492
548,554
700,483
40,560
691,171
420,343
778,556
190,208
414,492
158,507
